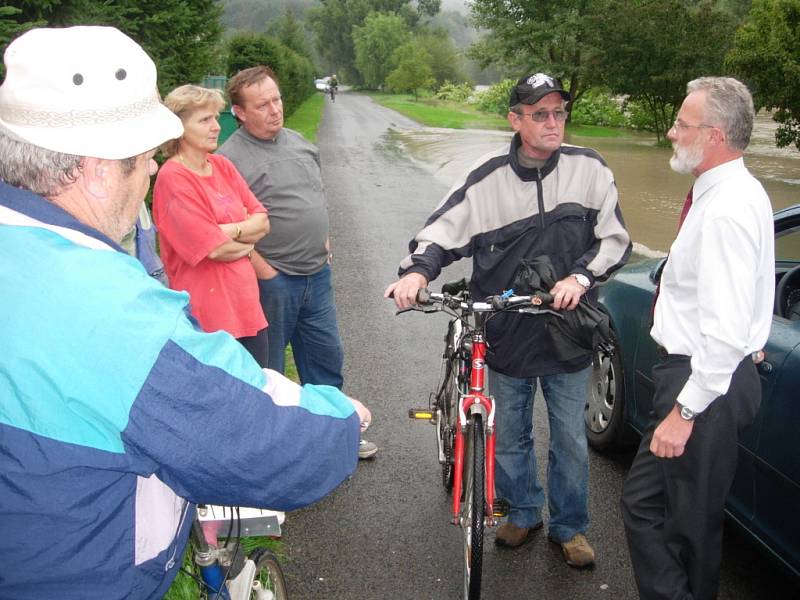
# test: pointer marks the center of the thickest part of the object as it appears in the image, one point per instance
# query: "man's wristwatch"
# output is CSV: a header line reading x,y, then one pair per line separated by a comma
x,y
583,280
686,413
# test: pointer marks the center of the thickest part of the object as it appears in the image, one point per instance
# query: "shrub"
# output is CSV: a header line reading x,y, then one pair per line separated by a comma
x,y
295,72
495,99
454,92
640,116
597,107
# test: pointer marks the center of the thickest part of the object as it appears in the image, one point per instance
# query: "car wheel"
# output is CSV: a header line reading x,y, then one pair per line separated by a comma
x,y
605,407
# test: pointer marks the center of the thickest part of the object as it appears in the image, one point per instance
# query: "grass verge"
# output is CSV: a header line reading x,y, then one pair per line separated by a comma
x,y
307,117
455,115
440,113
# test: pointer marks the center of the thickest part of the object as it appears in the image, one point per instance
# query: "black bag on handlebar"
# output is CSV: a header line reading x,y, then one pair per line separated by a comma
x,y
581,330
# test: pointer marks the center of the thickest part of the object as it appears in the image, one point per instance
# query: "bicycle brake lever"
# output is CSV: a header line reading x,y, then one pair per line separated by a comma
x,y
424,309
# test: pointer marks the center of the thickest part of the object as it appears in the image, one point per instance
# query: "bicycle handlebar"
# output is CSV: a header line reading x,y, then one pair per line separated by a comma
x,y
495,303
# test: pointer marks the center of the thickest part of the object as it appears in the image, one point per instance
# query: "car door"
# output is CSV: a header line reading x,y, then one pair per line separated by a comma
x,y
777,461
776,468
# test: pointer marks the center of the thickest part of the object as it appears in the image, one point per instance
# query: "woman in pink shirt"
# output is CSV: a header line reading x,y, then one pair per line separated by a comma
x,y
208,222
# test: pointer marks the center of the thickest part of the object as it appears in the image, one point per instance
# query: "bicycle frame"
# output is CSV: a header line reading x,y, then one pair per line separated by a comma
x,y
476,400
473,457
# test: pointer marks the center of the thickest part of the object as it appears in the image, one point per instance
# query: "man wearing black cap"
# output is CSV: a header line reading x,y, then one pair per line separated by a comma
x,y
536,198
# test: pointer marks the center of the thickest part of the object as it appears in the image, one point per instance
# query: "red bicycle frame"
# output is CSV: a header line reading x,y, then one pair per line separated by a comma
x,y
475,400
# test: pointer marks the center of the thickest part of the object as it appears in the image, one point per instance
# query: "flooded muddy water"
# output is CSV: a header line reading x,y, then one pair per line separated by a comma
x,y
651,194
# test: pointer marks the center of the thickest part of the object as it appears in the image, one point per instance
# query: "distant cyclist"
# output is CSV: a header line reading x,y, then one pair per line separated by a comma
x,y
333,87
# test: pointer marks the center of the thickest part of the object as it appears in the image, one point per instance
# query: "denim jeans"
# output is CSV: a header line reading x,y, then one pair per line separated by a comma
x,y
568,459
301,311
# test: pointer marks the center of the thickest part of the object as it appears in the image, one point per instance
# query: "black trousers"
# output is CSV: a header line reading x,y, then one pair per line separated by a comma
x,y
673,507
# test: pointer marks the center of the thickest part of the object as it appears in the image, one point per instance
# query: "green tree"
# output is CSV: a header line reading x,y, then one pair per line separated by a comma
x,y
290,33
375,43
766,54
445,61
245,50
333,21
413,70
650,50
526,36
182,36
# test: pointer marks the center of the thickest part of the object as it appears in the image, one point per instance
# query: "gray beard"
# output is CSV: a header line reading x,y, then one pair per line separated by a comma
x,y
686,160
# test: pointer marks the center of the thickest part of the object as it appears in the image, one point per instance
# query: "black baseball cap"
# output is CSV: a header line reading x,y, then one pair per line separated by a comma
x,y
532,88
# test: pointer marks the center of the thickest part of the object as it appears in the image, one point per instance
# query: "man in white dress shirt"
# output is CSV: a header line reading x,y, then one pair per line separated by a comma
x,y
713,312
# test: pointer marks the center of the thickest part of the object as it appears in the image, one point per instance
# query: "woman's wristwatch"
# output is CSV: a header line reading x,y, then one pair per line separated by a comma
x,y
238,232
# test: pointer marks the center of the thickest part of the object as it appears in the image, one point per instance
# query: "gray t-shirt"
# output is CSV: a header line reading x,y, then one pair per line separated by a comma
x,y
284,174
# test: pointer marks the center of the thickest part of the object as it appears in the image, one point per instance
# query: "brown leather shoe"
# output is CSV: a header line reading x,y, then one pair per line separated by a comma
x,y
577,551
512,536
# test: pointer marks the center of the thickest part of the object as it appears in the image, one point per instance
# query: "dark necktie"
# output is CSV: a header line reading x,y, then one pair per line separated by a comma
x,y
686,206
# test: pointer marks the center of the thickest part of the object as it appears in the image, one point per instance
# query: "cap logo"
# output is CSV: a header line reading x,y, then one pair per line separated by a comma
x,y
540,79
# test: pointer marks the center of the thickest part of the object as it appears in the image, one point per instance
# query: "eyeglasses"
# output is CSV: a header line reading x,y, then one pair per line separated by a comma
x,y
678,125
540,116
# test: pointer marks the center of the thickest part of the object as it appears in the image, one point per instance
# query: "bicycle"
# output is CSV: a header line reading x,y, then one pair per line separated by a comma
x,y
464,416
227,571
332,90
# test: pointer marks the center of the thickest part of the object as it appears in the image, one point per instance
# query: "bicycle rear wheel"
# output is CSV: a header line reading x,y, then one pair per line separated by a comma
x,y
473,509
269,583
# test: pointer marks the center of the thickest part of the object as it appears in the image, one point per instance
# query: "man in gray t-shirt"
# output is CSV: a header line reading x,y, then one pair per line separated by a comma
x,y
292,263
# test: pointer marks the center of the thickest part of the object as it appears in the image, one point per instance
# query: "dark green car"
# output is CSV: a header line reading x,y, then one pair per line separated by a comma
x,y
765,496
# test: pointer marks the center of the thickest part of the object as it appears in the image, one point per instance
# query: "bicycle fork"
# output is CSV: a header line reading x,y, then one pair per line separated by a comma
x,y
476,402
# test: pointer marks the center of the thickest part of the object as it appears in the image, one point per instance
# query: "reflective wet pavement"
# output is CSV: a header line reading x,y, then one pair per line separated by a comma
x,y
651,194
385,534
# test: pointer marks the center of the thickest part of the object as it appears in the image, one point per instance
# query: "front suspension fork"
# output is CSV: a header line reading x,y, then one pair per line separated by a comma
x,y
484,405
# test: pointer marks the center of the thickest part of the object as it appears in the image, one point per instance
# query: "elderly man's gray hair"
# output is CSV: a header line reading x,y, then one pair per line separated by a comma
x,y
39,170
729,106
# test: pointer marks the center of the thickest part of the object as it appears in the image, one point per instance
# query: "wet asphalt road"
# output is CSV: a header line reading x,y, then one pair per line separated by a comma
x,y
384,534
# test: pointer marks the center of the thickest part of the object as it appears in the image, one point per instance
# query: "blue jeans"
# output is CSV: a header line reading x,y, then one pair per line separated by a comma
x,y
301,311
568,459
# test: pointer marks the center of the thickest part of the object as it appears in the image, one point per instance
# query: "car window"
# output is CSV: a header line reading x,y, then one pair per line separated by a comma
x,y
787,245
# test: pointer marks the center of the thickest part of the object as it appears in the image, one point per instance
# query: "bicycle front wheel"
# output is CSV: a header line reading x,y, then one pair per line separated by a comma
x,y
447,403
269,583
473,509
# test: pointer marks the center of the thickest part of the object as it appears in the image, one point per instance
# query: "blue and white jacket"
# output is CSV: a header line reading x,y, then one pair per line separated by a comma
x,y
117,414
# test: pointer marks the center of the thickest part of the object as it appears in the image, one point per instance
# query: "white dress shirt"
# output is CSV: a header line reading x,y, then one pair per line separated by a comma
x,y
717,288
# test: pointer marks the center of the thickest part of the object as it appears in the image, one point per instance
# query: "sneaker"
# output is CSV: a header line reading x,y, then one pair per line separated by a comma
x,y
513,536
577,551
366,449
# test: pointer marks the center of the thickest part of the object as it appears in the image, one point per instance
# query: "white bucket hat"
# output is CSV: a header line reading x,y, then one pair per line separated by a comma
x,y
87,91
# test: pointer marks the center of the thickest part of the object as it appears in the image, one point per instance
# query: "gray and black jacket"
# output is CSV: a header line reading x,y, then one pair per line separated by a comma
x,y
503,212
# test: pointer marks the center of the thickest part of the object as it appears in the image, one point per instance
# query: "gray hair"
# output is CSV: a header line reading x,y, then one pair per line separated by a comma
x,y
42,171
729,106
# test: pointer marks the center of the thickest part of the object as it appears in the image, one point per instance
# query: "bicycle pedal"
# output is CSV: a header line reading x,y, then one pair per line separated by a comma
x,y
500,507
422,414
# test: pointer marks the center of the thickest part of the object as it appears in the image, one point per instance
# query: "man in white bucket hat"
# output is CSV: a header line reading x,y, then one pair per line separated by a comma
x,y
116,413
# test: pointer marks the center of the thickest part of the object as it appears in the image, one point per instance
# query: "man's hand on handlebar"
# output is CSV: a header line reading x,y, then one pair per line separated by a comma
x,y
404,290
567,293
